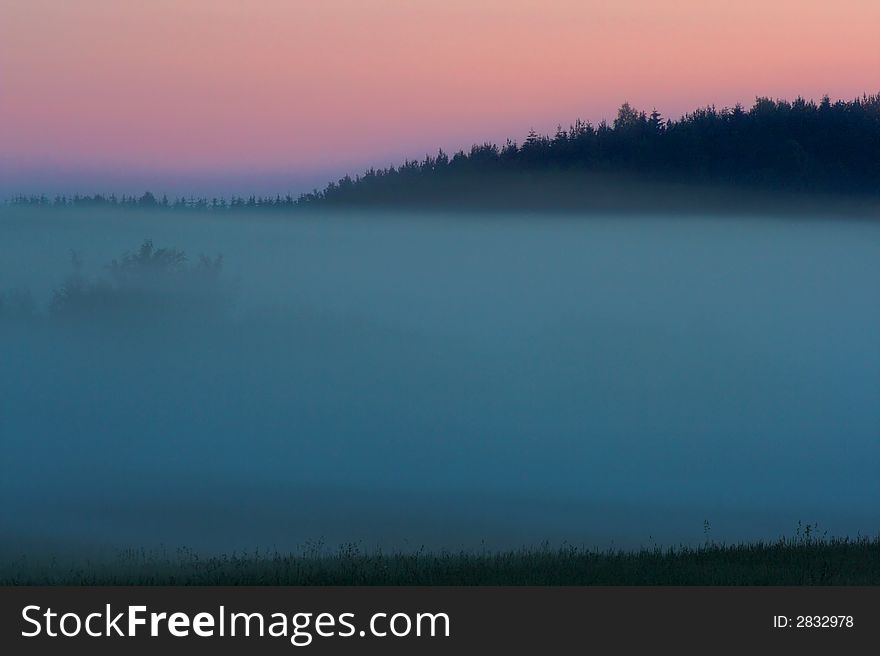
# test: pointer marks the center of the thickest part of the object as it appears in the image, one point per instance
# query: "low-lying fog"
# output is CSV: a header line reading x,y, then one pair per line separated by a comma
x,y
401,381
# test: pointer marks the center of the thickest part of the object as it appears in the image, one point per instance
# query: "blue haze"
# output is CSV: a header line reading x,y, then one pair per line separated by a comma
x,y
451,382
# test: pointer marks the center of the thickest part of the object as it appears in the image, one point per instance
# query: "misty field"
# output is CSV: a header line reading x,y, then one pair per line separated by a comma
x,y
436,387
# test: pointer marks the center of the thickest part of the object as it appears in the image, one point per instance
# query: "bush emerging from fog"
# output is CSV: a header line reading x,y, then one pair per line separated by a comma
x,y
147,282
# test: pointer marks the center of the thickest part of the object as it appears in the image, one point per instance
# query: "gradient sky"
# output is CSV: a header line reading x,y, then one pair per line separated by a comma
x,y
272,95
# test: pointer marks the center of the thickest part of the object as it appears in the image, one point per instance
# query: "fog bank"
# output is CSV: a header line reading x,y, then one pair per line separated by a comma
x,y
403,380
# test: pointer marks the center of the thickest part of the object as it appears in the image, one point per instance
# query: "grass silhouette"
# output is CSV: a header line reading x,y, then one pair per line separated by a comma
x,y
803,560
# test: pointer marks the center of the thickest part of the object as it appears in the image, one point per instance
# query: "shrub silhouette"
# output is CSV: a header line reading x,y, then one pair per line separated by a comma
x,y
149,282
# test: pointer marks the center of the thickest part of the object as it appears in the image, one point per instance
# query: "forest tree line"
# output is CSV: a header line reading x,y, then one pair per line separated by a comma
x,y
775,144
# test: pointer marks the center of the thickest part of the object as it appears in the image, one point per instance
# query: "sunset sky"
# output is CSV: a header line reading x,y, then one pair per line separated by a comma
x,y
207,96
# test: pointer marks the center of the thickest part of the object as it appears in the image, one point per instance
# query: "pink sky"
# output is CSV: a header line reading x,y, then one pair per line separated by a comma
x,y
108,91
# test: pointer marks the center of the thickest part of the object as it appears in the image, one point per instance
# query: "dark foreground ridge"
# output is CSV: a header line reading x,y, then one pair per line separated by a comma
x,y
775,146
785,562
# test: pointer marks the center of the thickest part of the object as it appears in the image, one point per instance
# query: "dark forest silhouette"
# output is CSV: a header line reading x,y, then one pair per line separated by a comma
x,y
775,145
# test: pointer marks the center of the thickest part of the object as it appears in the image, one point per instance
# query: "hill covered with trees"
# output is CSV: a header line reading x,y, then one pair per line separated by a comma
x,y
775,145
